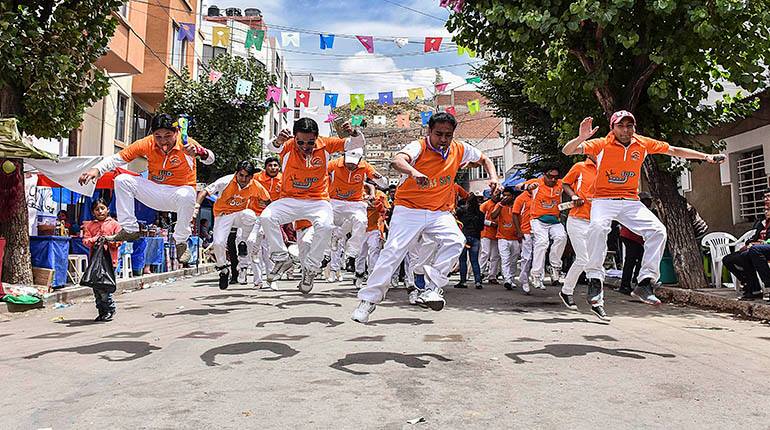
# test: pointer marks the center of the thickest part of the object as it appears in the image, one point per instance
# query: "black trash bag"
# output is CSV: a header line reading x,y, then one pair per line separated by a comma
x,y
100,275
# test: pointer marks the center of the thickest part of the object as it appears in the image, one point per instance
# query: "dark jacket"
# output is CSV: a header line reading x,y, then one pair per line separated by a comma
x,y
472,220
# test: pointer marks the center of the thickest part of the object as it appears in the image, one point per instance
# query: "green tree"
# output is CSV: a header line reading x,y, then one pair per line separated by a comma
x,y
659,59
227,123
47,80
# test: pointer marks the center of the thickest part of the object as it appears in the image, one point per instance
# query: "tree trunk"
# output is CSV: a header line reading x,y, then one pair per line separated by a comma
x,y
17,262
672,210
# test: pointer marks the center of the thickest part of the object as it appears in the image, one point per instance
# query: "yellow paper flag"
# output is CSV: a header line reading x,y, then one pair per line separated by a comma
x,y
356,101
462,50
474,106
415,93
220,35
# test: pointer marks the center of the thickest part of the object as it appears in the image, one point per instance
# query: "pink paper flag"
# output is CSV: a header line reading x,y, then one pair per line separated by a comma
x,y
456,5
432,44
330,118
440,88
273,94
284,110
402,120
214,76
368,42
302,98
450,110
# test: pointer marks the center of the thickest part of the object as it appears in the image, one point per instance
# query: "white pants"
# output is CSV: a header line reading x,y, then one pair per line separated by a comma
x,y
304,242
526,258
635,216
489,257
167,198
509,254
370,251
336,249
355,213
286,210
406,226
577,229
242,220
255,244
542,234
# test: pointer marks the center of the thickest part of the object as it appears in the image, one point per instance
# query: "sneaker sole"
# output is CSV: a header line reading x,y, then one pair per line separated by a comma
x,y
279,270
647,302
572,307
433,305
603,318
224,283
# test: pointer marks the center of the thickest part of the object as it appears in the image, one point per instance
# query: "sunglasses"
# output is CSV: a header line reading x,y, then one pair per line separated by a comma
x,y
309,143
552,176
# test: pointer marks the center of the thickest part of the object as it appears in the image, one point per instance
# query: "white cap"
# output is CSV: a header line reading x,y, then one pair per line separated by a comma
x,y
354,156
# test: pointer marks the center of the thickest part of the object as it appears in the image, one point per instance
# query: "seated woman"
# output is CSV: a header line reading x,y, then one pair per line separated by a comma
x,y
751,260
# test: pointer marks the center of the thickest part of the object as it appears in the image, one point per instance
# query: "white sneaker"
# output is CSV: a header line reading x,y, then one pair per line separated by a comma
x,y
362,312
536,282
525,287
280,268
332,277
358,282
432,298
272,286
242,273
258,285
413,296
555,276
306,284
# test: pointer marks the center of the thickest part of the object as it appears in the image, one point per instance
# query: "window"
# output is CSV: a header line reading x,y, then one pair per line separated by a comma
x,y
140,123
477,173
752,184
123,10
178,50
499,163
120,119
276,128
211,52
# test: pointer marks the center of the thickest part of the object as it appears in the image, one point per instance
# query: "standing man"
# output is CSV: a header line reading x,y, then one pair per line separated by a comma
x,y
238,194
521,207
578,185
508,236
347,175
304,194
170,184
270,178
375,232
619,158
424,200
489,258
546,226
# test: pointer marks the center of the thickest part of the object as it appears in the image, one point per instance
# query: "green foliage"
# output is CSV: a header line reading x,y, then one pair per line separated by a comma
x,y
222,121
657,58
47,51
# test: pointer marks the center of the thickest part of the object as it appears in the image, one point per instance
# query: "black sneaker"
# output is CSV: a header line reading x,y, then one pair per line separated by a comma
x,y
351,264
224,278
599,312
100,317
325,262
625,289
108,316
478,286
508,286
751,295
568,301
594,291
461,285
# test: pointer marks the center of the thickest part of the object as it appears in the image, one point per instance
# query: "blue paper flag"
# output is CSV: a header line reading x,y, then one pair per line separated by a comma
x,y
426,117
327,41
386,98
330,99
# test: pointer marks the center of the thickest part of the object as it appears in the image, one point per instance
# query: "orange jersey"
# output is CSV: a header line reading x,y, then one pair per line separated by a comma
x,y
489,231
545,199
175,168
375,213
505,227
521,206
272,185
348,184
441,169
460,192
618,167
233,198
307,177
581,178
261,199
302,224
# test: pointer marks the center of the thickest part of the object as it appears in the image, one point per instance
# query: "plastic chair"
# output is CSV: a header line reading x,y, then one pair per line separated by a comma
x,y
738,245
719,245
124,253
77,265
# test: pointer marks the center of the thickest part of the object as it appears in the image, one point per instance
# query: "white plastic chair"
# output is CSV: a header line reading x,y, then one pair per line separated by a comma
x,y
738,244
719,244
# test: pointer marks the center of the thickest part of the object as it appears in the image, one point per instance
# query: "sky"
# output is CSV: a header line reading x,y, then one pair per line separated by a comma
x,y
348,68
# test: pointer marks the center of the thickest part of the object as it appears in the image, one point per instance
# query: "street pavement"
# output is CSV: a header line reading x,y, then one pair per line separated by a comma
x,y
190,356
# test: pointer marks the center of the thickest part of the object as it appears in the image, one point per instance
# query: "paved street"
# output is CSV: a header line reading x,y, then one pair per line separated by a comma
x,y
187,355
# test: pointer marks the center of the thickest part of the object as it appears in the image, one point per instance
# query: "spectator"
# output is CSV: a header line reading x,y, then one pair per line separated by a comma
x,y
751,260
204,232
634,245
103,225
472,220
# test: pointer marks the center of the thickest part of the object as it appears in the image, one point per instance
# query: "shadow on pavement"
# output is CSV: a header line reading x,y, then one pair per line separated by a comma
x,y
79,323
281,351
564,321
303,321
567,350
238,303
199,312
410,321
55,335
376,358
135,349
287,305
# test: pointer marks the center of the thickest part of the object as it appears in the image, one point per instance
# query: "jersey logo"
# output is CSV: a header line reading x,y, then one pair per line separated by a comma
x,y
358,177
619,179
508,225
236,201
636,155
347,195
303,185
174,160
316,162
548,204
161,176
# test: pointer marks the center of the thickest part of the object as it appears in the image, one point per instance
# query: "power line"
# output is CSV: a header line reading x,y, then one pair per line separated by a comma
x,y
415,10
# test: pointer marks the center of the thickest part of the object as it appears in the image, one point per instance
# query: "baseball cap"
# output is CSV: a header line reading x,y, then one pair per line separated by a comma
x,y
163,121
354,156
619,115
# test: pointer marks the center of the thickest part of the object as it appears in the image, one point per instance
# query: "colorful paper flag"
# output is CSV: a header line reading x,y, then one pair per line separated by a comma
x,y
440,88
473,80
214,76
356,101
301,98
255,38
356,120
273,94
220,36
451,110
402,41
243,87
330,99
368,42
380,120
285,110
402,120
386,98
415,93
463,50
289,38
474,106
426,117
186,31
456,5
432,44
327,41
311,110
330,118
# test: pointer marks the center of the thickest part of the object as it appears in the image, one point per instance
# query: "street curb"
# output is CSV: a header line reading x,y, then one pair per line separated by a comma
x,y
702,299
70,294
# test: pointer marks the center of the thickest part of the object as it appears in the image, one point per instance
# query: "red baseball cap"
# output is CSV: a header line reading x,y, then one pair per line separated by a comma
x,y
619,115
